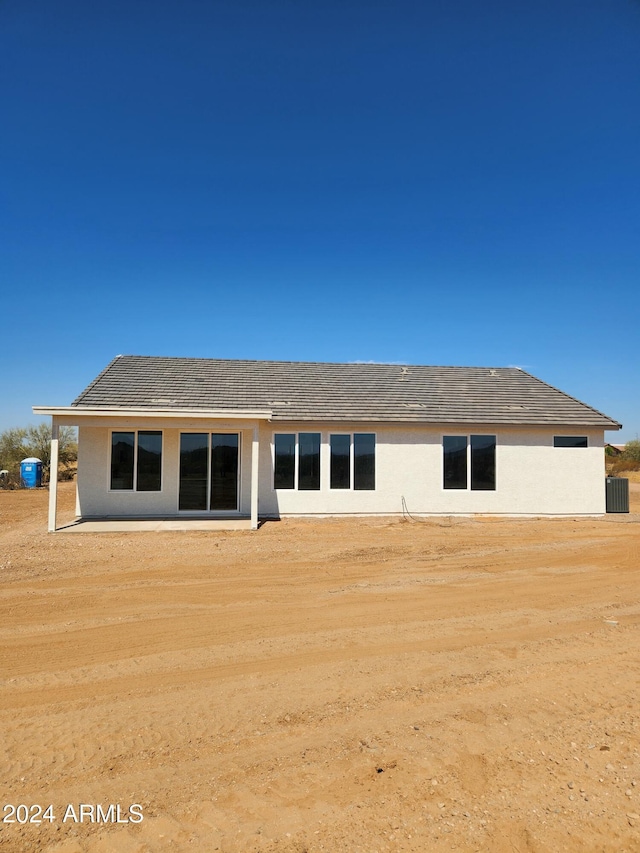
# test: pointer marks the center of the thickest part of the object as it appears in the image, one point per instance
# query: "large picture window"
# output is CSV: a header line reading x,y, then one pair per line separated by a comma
x,y
296,461
469,462
136,461
353,461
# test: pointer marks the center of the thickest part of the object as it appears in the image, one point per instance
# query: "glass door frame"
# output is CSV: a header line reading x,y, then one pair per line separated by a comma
x,y
209,433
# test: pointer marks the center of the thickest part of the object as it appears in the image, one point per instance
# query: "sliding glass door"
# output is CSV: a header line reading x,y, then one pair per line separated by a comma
x,y
223,491
209,468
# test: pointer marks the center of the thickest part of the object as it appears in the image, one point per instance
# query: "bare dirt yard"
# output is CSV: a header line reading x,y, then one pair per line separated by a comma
x,y
326,685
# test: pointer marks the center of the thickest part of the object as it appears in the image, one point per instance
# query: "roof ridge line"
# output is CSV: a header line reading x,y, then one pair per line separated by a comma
x,y
357,363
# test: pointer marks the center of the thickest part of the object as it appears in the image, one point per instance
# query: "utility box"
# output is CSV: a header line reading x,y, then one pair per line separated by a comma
x,y
617,494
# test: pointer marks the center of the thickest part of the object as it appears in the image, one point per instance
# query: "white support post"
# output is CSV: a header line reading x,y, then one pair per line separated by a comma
x,y
255,469
53,475
78,505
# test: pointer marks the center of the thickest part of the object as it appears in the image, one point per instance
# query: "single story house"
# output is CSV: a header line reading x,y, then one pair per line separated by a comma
x,y
614,449
211,438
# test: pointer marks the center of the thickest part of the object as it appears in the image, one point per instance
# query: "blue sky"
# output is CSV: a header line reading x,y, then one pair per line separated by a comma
x,y
420,181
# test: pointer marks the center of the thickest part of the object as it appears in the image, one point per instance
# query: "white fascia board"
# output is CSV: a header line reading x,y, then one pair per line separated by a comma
x,y
82,413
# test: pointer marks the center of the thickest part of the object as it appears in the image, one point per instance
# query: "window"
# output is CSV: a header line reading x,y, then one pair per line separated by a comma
x,y
136,461
309,461
297,461
483,463
285,461
340,474
455,461
209,471
364,461
353,459
570,441
473,455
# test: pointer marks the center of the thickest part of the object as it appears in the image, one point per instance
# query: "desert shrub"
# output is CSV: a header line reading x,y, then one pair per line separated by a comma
x,y
620,464
631,451
66,474
19,443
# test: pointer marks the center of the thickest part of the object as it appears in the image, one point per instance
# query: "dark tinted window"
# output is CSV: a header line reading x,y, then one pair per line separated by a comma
x,y
483,462
149,461
224,471
364,461
285,461
122,453
570,441
309,461
455,461
340,461
194,450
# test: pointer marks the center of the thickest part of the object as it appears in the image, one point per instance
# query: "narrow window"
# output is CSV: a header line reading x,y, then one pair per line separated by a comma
x,y
364,461
122,456
340,461
149,467
309,461
455,461
570,441
285,461
483,462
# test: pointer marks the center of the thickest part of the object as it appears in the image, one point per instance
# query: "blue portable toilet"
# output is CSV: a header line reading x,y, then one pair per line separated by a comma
x,y
31,472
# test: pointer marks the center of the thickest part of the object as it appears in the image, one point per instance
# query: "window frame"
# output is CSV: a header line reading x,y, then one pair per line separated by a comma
x,y
134,488
296,460
312,488
208,511
581,438
348,488
355,488
468,461
324,460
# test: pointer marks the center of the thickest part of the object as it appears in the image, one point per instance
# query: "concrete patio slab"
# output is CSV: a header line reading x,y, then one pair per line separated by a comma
x,y
136,525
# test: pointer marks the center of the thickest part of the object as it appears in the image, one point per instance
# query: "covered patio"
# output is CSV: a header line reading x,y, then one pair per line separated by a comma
x,y
171,423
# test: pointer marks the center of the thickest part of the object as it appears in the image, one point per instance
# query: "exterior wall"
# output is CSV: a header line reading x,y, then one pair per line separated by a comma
x,y
533,477
96,499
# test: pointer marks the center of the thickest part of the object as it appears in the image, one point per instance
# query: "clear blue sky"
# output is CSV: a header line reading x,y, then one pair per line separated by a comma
x,y
421,181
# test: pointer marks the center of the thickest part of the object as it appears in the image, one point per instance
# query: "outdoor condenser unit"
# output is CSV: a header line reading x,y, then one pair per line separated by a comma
x,y
617,494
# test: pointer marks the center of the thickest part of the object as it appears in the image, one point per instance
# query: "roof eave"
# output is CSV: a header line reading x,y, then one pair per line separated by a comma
x,y
81,412
416,420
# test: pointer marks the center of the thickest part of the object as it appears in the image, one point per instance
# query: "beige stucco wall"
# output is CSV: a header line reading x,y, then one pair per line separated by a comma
x,y
533,477
96,498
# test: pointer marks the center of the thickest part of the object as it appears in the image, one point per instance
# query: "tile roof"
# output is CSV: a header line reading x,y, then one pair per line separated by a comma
x,y
338,392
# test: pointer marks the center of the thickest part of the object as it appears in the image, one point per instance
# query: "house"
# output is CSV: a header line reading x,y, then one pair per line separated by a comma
x,y
614,449
210,438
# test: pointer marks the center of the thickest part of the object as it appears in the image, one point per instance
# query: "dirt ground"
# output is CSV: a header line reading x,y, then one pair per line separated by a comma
x,y
327,685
